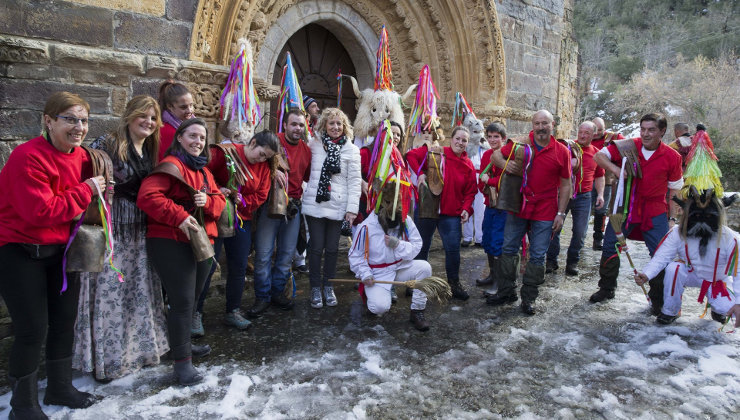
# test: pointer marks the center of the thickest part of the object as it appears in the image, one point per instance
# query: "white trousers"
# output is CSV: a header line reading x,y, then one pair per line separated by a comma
x,y
473,228
379,295
677,278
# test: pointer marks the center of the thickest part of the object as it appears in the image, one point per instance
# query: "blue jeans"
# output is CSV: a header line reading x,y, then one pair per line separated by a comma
x,y
580,208
600,213
652,237
539,237
494,221
269,279
238,248
450,230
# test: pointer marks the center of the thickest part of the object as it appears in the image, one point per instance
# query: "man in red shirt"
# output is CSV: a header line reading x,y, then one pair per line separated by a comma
x,y
661,172
588,176
269,278
602,138
546,192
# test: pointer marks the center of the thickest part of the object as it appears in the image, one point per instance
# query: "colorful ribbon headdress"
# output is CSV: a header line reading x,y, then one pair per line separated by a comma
x,y
462,108
290,93
424,112
387,168
239,99
383,73
702,170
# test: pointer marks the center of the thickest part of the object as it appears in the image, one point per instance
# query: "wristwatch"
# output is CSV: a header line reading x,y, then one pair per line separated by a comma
x,y
673,219
561,214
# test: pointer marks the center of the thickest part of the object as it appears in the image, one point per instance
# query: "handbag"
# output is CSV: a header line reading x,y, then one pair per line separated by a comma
x,y
199,241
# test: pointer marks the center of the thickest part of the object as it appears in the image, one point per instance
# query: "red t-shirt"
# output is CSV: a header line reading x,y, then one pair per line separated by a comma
x,y
254,191
664,166
42,190
494,174
589,170
164,199
459,175
166,136
548,166
599,143
299,159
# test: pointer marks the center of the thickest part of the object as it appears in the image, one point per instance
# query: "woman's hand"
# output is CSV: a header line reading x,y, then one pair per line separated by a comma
x,y
225,191
484,178
200,199
422,179
187,225
464,216
364,188
350,217
99,180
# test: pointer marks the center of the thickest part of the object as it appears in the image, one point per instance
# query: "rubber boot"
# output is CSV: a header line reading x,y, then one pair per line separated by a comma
x,y
534,276
608,272
487,281
185,372
656,293
598,231
24,403
416,317
59,388
505,272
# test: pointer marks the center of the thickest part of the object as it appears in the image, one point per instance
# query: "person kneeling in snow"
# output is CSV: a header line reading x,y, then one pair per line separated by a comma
x,y
706,248
384,247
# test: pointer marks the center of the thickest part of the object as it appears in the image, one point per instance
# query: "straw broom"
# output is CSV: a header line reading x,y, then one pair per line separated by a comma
x,y
434,287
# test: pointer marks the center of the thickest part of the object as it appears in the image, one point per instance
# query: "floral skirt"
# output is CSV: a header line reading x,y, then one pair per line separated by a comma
x,y
121,326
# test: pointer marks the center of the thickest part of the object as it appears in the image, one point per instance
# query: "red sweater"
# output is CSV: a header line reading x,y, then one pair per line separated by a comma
x,y
254,192
42,190
459,175
164,199
589,170
166,136
299,159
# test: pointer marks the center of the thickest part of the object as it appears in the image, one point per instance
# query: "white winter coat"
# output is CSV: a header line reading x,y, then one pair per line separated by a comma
x,y
346,186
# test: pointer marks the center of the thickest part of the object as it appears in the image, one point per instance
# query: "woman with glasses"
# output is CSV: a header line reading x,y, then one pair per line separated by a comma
x,y
45,186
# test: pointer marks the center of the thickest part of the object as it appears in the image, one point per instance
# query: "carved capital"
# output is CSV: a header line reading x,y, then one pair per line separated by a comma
x,y
16,50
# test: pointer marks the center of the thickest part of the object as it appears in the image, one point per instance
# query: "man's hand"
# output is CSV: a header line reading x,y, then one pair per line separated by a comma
x,y
281,179
200,199
364,188
600,202
422,179
464,216
187,225
484,178
641,278
557,224
225,191
512,167
391,241
735,311
368,281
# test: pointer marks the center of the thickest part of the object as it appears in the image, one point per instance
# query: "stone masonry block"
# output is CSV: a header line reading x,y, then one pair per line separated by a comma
x,y
149,87
99,125
11,17
21,94
38,72
149,7
151,35
19,124
183,10
118,98
525,83
537,65
160,67
18,50
93,77
93,59
63,21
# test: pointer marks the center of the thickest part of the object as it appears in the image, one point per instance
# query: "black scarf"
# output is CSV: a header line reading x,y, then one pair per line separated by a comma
x,y
195,163
331,166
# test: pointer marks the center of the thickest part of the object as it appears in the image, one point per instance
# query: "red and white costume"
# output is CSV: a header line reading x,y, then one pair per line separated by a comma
x,y
370,257
713,273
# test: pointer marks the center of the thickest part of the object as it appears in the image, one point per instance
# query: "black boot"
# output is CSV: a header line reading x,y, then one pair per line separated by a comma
x,y
666,319
598,234
487,281
505,272
719,317
24,403
59,388
656,292
185,372
458,292
534,276
608,272
417,318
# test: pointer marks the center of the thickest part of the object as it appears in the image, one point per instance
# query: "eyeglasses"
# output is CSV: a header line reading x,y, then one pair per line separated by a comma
x,y
73,120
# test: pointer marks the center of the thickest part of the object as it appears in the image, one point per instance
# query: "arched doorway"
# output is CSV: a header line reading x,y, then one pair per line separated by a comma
x,y
317,57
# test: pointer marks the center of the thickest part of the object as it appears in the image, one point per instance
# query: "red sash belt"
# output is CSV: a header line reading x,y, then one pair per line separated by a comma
x,y
384,265
718,288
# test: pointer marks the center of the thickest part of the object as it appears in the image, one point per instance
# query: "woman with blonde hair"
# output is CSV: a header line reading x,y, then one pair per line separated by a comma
x,y
121,327
332,196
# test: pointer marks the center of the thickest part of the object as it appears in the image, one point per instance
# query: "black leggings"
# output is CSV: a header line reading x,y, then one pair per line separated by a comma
x,y
30,288
183,280
323,240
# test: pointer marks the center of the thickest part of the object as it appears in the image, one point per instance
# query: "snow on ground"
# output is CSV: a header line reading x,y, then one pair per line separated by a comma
x,y
571,360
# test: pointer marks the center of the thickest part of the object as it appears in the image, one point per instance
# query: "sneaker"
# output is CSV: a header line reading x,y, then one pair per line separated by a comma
x,y
417,318
394,295
600,295
316,301
258,308
329,296
466,244
236,320
196,325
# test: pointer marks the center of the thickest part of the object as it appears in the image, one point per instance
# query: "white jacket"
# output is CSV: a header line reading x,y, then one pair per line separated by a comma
x,y
346,186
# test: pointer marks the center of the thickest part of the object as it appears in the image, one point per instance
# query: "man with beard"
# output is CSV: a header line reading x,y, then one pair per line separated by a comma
x,y
602,138
384,248
590,177
658,171
313,111
270,279
546,192
705,248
